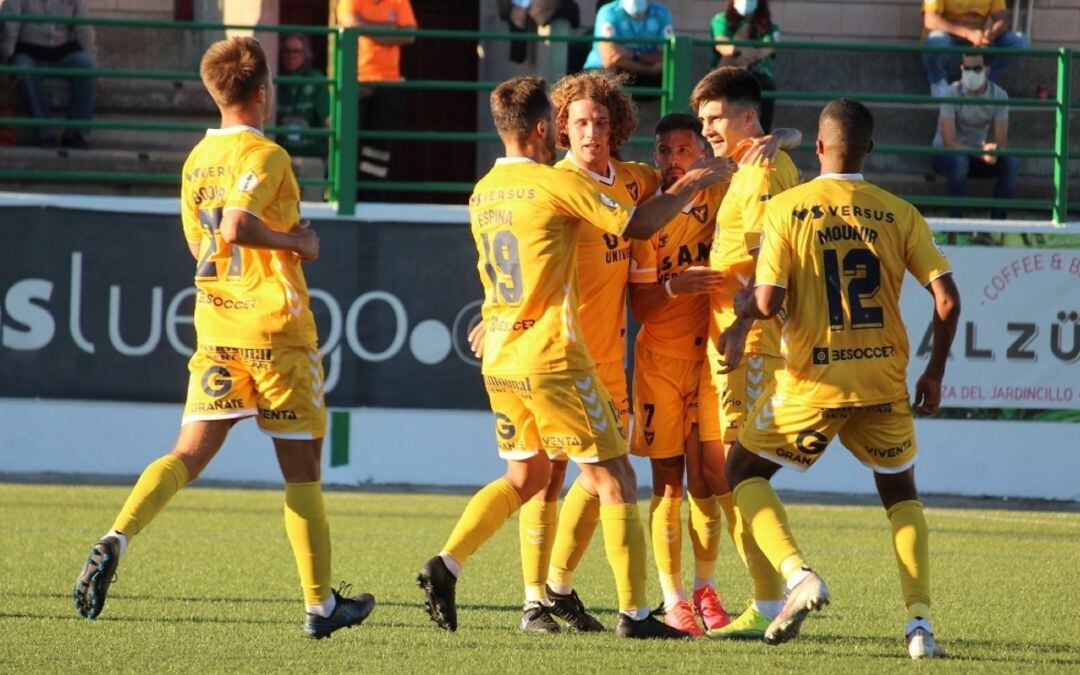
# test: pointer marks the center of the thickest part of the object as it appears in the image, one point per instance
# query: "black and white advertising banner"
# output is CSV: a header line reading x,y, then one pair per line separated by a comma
x,y
1018,342
98,305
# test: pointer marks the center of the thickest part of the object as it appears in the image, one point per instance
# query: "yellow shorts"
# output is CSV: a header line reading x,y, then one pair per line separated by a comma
x,y
793,434
726,400
665,403
281,387
567,414
613,375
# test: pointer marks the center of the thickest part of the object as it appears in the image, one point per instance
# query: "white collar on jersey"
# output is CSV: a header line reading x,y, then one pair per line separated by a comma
x,y
514,160
235,129
608,180
842,176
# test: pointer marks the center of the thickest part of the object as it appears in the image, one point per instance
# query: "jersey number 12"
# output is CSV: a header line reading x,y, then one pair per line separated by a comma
x,y
863,269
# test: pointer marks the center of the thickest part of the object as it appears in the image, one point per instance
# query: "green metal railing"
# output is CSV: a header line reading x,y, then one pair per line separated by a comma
x,y
676,84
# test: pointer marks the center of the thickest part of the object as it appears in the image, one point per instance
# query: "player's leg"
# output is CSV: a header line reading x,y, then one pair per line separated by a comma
x,y
704,526
794,436
883,438
537,522
220,392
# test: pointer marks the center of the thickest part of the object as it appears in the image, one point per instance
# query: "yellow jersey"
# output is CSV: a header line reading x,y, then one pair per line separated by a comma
x,y
525,219
840,246
738,231
680,329
247,297
604,259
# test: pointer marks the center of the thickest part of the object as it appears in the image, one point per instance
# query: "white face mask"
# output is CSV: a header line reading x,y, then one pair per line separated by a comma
x,y
973,81
635,7
745,7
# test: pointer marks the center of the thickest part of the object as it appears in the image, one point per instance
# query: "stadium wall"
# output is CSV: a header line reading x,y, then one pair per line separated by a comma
x,y
95,331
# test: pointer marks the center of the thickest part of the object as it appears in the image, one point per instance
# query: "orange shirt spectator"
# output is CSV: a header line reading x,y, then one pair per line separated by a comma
x,y
380,56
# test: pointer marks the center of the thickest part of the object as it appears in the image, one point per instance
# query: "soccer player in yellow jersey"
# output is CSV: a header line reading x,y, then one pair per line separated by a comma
x,y
545,392
836,249
257,353
727,102
669,295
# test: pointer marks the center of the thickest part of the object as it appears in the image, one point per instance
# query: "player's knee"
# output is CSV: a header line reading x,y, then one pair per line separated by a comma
x,y
667,476
894,488
714,471
614,481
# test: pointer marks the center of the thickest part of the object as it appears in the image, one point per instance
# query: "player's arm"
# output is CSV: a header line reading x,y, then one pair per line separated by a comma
x,y
243,228
945,319
646,300
194,248
763,149
763,302
657,211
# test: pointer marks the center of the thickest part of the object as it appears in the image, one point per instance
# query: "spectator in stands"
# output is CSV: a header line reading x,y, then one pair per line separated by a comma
x,y
748,20
967,125
54,46
379,60
631,18
950,23
301,106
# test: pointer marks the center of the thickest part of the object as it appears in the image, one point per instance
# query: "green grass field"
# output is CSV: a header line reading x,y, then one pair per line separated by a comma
x,y
211,586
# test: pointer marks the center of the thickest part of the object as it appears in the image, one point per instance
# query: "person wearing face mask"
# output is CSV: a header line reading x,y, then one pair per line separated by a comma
x,y
953,23
644,61
968,125
748,20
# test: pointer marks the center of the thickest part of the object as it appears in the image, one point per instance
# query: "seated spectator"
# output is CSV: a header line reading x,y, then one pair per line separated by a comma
x,y
967,125
301,106
748,20
53,46
631,18
951,23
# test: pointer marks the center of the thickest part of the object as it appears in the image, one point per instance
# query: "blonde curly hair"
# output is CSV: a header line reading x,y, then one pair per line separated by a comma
x,y
603,87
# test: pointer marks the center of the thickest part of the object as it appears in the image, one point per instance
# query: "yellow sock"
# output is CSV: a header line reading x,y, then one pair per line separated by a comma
x,y
911,539
485,514
624,541
155,487
768,584
665,525
768,522
536,530
704,529
309,535
577,522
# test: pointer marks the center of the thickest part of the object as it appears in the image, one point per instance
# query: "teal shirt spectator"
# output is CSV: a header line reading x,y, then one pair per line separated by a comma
x,y
303,106
721,27
613,21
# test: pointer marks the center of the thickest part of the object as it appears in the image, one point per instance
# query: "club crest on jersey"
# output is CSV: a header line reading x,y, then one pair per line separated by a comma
x,y
664,239
700,212
608,201
247,182
632,188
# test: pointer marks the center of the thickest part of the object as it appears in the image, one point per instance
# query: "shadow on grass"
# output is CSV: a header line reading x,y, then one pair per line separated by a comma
x,y
110,618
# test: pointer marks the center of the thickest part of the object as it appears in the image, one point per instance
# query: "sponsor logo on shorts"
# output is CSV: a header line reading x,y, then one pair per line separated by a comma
x,y
793,456
811,442
216,381
205,298
843,413
283,414
887,453
504,428
507,385
563,442
251,358
215,406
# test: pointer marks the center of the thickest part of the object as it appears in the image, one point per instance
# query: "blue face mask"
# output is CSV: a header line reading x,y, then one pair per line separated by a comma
x,y
746,7
635,7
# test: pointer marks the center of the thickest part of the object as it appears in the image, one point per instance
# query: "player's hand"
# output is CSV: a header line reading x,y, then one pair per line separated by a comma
x,y
307,242
990,159
706,172
760,150
697,280
744,297
476,339
732,344
927,394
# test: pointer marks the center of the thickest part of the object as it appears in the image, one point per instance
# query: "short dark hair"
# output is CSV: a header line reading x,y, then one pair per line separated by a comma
x,y
852,122
519,103
736,85
679,121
